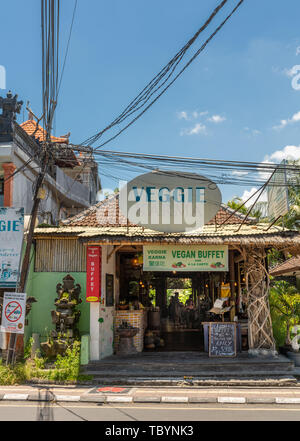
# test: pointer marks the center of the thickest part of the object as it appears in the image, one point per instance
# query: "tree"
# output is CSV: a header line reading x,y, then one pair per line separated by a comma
x,y
292,218
236,203
285,309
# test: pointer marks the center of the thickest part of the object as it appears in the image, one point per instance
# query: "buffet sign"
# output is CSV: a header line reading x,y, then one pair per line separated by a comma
x,y
222,339
185,258
93,274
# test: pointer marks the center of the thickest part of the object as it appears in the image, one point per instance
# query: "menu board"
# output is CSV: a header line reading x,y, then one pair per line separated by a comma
x,y
222,339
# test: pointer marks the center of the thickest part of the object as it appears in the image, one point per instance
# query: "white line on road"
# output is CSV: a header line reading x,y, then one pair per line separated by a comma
x,y
12,397
232,400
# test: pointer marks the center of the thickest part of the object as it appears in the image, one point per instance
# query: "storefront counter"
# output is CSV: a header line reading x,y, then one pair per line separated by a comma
x,y
135,318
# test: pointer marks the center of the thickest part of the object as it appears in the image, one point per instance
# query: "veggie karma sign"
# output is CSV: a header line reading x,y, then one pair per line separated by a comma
x,y
185,258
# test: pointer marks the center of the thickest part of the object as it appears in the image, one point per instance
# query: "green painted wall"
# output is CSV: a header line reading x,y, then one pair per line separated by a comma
x,y
43,287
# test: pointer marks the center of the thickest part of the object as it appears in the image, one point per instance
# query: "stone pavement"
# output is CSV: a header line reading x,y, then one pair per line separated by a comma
x,y
173,395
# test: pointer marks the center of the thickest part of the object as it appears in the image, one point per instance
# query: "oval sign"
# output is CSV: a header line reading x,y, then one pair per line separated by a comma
x,y
170,202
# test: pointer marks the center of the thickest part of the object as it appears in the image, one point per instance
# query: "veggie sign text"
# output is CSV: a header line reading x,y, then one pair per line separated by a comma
x,y
185,258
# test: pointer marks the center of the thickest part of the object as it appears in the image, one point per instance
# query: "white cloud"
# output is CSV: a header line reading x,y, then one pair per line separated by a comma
x,y
190,115
247,193
298,50
196,130
253,132
291,152
182,115
284,122
216,119
239,173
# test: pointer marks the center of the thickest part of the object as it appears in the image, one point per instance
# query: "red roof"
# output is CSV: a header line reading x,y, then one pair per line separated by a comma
x,y
100,215
31,127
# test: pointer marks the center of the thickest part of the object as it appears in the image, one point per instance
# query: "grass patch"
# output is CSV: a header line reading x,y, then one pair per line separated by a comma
x,y
64,369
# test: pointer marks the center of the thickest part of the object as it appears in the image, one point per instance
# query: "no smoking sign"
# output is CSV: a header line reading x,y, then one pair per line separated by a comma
x,y
13,313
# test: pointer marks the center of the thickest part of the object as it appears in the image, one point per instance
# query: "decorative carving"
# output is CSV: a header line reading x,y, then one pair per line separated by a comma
x,y
261,340
10,106
65,317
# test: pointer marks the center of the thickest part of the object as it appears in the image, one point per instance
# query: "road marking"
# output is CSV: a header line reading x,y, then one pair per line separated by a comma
x,y
246,408
118,399
174,399
12,397
67,397
282,400
232,400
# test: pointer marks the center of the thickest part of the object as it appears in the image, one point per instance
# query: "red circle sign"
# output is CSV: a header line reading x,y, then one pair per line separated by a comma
x,y
13,311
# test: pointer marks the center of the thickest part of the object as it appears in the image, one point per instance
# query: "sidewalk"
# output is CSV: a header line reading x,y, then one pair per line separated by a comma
x,y
118,394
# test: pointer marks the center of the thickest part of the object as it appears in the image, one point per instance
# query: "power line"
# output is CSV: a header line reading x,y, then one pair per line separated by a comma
x,y
144,96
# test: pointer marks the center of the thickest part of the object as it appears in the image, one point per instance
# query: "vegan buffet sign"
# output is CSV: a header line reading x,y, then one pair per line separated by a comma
x,y
185,258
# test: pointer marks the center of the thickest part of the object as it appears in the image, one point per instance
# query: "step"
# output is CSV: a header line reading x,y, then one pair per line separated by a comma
x,y
242,381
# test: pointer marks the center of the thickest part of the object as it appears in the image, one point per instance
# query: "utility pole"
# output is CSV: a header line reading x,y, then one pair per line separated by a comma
x,y
11,355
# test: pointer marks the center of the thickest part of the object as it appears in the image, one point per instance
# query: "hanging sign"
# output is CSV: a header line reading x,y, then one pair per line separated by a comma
x,y
93,274
185,258
13,312
170,202
11,237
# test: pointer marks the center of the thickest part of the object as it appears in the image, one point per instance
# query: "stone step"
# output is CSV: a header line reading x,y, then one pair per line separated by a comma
x,y
254,380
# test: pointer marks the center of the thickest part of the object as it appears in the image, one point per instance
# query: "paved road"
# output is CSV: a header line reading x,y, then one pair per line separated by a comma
x,y
12,411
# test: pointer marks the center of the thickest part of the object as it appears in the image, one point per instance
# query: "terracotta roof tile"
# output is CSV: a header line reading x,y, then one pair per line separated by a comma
x,y
32,128
102,213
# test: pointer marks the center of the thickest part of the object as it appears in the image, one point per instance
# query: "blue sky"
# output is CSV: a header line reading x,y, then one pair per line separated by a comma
x,y
236,101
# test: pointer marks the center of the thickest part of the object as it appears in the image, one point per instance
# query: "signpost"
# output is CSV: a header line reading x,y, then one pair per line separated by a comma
x,y
13,312
185,258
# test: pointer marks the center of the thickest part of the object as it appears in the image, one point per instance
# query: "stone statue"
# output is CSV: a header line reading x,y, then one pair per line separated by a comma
x,y
10,106
65,317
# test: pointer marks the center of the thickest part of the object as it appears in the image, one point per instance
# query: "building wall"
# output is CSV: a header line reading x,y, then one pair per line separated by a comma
x,y
96,319
43,287
102,317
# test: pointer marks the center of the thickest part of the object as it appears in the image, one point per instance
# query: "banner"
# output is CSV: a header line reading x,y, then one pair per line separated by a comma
x,y
93,274
185,258
11,237
13,312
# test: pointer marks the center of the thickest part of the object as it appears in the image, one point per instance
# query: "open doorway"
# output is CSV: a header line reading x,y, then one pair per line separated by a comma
x,y
181,324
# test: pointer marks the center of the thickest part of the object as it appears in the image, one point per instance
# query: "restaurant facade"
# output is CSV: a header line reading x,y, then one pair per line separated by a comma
x,y
138,277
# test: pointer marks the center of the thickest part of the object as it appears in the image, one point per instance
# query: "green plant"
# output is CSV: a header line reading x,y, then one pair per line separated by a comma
x,y
27,349
11,375
285,310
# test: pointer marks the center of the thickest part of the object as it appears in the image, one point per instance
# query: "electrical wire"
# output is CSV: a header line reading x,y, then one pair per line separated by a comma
x,y
144,96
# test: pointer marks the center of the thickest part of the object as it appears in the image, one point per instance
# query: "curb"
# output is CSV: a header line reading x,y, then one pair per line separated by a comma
x,y
95,398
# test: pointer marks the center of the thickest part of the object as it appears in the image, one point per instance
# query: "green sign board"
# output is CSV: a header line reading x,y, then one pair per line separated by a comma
x,y
185,258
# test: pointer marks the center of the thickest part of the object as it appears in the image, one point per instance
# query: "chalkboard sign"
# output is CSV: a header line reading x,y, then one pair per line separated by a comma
x,y
222,339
